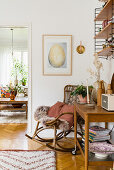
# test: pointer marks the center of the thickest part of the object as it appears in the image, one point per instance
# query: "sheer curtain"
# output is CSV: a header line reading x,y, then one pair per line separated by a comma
x,y
5,65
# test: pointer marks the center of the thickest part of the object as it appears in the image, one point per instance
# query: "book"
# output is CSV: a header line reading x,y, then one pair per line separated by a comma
x,y
97,133
97,130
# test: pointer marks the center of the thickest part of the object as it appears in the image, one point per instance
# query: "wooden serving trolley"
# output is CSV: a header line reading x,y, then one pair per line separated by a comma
x,y
96,114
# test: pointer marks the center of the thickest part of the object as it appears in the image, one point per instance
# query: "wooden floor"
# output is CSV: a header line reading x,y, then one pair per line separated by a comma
x,y
12,136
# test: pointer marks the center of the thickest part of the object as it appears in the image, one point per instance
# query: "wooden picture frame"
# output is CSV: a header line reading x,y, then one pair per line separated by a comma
x,y
57,55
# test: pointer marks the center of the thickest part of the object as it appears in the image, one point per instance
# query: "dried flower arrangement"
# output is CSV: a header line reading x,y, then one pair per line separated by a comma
x,y
98,65
96,74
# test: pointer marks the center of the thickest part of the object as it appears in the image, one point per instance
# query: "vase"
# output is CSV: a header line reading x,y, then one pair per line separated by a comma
x,y
16,81
81,99
15,92
94,91
12,95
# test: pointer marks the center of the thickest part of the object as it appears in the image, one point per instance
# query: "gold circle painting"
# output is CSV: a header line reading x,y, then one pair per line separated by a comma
x,y
80,49
56,56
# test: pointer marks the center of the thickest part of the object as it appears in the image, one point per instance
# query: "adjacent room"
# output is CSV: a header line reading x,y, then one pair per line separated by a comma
x,y
57,84
13,74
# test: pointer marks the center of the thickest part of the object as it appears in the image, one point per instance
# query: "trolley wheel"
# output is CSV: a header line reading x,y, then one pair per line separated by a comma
x,y
74,152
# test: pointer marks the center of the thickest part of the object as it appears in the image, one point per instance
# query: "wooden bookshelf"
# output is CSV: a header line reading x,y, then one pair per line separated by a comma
x,y
105,52
106,12
105,33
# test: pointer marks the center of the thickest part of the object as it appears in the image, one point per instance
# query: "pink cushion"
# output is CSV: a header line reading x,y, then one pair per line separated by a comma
x,y
54,110
67,117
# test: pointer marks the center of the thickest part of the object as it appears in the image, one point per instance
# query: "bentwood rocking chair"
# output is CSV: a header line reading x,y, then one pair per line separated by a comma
x,y
59,116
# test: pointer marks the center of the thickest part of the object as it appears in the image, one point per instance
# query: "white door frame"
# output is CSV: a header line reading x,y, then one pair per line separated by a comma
x,y
29,26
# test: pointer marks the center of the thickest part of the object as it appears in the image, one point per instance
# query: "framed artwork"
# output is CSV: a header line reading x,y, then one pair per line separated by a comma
x,y
57,55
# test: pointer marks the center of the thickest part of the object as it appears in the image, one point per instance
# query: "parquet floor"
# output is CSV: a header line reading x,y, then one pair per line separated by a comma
x,y
12,136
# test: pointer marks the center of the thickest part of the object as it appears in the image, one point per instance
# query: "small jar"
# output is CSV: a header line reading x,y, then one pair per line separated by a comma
x,y
109,90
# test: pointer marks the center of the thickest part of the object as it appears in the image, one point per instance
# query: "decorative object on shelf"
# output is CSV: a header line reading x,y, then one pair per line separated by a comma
x,y
99,29
80,49
103,87
95,74
104,24
108,43
104,46
57,55
109,90
111,20
99,94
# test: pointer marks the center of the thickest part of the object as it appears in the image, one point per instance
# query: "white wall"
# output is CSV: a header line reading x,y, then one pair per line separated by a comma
x,y
54,17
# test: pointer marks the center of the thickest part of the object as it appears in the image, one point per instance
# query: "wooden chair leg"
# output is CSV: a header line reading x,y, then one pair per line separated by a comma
x,y
36,129
54,140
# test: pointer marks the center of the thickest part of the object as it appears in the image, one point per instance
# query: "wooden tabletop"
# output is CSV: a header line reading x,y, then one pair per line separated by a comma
x,y
95,113
17,100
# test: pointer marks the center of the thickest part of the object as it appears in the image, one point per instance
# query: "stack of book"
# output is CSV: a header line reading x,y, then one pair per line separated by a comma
x,y
97,134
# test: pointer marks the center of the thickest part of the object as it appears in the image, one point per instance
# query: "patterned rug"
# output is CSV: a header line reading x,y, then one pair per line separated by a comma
x,y
13,117
27,160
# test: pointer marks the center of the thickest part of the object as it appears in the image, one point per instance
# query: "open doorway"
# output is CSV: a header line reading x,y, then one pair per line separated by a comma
x,y
14,74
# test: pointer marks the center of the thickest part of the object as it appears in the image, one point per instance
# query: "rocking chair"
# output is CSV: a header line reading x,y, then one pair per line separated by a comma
x,y
51,119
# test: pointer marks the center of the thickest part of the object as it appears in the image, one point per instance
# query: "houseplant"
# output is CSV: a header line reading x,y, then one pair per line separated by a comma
x,y
81,93
13,91
19,72
24,81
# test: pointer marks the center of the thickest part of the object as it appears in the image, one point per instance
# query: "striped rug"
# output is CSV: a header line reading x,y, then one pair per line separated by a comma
x,y
27,160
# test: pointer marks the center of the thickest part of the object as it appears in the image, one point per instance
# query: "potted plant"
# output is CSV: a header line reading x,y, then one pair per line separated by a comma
x,y
24,81
20,91
19,72
81,92
13,91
